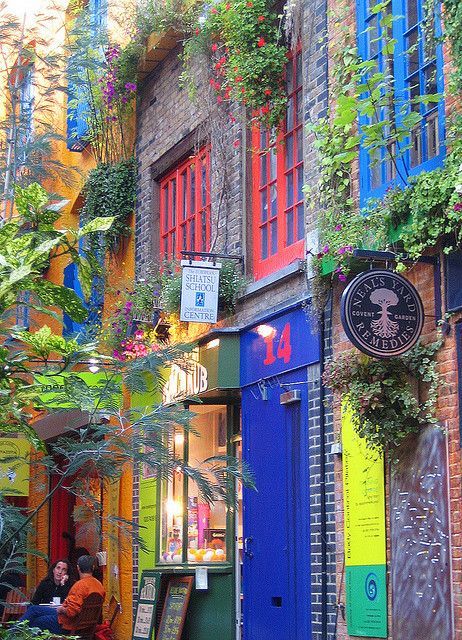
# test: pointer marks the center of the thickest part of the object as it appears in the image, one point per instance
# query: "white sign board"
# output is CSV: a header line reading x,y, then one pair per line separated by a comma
x,y
199,292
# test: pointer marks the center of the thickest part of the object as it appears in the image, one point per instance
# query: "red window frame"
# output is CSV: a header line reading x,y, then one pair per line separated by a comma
x,y
277,168
185,207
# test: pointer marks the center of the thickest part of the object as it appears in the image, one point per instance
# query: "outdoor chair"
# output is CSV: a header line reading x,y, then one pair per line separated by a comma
x,y
14,605
88,619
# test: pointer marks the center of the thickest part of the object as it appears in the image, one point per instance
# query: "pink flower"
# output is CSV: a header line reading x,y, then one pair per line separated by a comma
x,y
236,143
338,227
458,206
325,249
342,277
213,10
214,47
260,18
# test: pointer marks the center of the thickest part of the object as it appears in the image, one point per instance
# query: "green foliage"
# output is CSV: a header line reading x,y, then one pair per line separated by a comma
x,y
231,283
391,398
244,43
43,343
110,191
22,631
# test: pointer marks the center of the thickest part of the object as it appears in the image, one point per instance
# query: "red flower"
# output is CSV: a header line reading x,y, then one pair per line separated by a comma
x,y
268,92
222,60
236,143
214,47
265,109
250,4
227,6
238,79
232,119
260,18
261,42
213,10
197,31
219,99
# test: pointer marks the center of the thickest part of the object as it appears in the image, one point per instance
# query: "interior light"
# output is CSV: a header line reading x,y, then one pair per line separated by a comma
x,y
93,365
179,439
213,343
265,331
174,508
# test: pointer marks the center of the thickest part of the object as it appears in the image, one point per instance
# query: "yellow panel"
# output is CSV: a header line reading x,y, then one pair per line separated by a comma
x,y
364,498
14,473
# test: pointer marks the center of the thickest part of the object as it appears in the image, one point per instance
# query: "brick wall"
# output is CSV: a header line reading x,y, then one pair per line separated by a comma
x,y
170,125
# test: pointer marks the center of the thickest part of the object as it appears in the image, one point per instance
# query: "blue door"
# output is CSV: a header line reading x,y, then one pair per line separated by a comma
x,y
276,558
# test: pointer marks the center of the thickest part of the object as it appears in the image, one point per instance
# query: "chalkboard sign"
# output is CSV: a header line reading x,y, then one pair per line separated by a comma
x,y
148,594
175,606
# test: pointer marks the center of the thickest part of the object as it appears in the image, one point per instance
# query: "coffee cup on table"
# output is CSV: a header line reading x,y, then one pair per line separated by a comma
x,y
56,601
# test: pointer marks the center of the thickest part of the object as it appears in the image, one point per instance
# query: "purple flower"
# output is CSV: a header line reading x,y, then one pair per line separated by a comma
x,y
325,249
338,227
130,86
342,277
458,206
346,249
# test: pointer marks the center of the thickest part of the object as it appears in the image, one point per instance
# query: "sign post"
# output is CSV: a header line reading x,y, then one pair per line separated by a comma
x,y
145,616
199,291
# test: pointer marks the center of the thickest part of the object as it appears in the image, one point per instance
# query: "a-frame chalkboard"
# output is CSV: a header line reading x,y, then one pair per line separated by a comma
x,y
175,607
143,624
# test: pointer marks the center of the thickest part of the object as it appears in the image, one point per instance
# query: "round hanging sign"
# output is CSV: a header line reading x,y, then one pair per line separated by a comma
x,y
382,313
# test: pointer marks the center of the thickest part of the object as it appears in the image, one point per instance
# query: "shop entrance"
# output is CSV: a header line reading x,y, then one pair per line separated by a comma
x,y
276,546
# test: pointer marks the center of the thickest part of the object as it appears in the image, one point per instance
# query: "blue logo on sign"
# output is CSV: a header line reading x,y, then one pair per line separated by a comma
x,y
200,299
371,586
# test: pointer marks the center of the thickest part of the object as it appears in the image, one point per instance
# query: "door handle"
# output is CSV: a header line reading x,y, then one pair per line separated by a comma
x,y
247,542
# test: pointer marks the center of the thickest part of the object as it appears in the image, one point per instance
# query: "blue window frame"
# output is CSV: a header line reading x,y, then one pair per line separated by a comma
x,y
77,89
418,71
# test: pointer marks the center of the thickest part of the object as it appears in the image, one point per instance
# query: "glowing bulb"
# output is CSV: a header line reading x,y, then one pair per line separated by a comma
x,y
174,508
265,331
213,343
179,439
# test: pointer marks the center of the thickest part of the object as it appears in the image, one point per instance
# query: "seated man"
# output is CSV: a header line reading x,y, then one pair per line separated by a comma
x,y
60,619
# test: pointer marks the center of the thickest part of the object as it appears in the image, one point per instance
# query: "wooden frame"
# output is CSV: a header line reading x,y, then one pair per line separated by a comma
x,y
174,616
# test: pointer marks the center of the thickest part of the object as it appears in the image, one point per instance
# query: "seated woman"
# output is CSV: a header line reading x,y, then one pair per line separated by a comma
x,y
56,584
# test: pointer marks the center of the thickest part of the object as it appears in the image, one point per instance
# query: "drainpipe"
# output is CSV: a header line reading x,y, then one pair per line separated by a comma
x,y
322,473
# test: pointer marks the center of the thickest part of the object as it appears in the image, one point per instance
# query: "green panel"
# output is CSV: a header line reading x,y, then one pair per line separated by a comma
x,y
147,521
228,363
394,233
211,613
52,387
366,601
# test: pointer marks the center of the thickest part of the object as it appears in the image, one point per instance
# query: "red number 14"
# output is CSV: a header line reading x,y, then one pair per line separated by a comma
x,y
284,350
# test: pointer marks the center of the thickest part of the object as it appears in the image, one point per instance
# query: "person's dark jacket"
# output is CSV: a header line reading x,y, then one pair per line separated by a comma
x,y
47,590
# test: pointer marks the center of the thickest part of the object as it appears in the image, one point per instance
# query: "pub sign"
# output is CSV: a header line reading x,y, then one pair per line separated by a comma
x,y
382,313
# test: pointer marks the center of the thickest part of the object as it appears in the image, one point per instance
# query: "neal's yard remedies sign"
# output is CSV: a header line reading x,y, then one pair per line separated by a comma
x,y
199,291
382,313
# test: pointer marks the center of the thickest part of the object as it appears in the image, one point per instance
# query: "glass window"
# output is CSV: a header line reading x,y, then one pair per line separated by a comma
x,y
416,68
185,213
191,529
277,165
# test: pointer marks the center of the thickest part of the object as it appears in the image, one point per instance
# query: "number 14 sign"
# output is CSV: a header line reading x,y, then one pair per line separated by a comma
x,y
282,343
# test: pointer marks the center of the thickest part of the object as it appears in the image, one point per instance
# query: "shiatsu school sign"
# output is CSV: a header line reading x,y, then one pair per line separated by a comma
x,y
199,291
382,313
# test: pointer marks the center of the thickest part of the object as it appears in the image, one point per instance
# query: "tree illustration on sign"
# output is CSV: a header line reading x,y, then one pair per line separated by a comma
x,y
384,326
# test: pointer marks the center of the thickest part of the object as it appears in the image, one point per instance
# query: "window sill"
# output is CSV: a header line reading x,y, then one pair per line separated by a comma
x,y
225,567
288,271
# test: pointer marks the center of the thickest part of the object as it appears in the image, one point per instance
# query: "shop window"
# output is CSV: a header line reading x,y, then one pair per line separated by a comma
x,y
277,169
192,530
185,207
417,69
453,275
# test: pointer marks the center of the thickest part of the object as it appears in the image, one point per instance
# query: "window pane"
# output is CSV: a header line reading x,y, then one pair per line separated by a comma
x,y
373,35
263,138
411,13
192,174
432,135
289,77
274,200
183,237
263,174
299,109
173,202
298,63
165,197
206,523
290,114
204,182
430,83
412,52
264,205
172,509
416,146
289,189
184,203
299,144
204,230
300,183
192,235
289,149
274,237
264,242
290,227
300,222
273,163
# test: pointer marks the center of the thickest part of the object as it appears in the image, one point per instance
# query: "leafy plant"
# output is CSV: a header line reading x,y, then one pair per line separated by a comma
x,y
244,43
22,631
390,399
110,191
